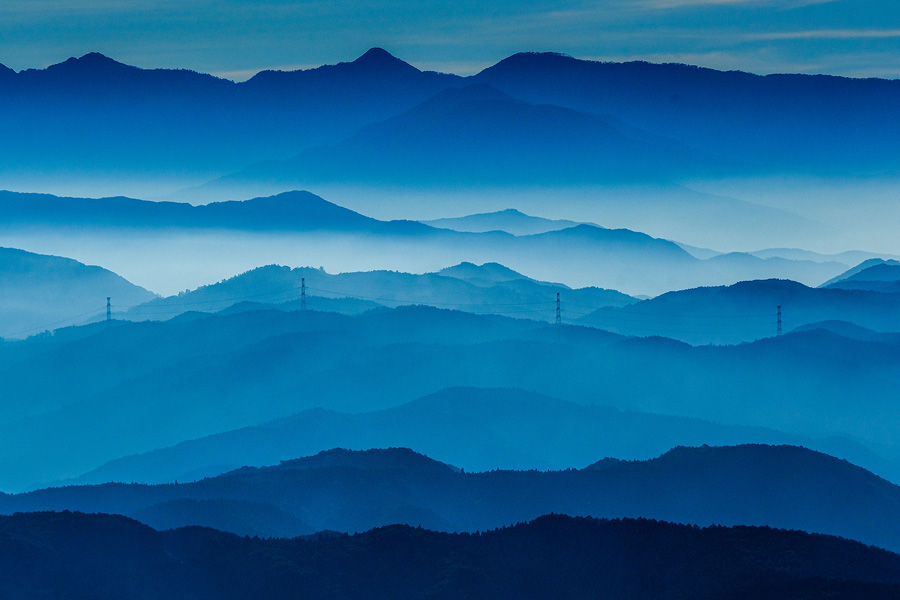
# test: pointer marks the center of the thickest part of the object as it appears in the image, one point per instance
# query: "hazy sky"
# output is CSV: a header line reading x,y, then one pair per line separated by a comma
x,y
237,38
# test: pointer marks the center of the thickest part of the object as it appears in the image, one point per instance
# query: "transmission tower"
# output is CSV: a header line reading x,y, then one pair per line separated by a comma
x,y
303,293
778,325
108,309
558,314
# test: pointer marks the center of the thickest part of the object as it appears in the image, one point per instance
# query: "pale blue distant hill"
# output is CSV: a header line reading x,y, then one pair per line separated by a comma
x,y
40,292
747,311
486,289
502,428
875,275
100,392
509,220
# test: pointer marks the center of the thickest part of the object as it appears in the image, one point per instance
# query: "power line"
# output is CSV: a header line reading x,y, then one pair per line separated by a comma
x,y
91,313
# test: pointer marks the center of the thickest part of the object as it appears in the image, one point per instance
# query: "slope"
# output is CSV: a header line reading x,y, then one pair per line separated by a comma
x,y
39,292
746,311
64,412
476,135
94,114
779,486
467,287
502,428
509,220
74,555
766,123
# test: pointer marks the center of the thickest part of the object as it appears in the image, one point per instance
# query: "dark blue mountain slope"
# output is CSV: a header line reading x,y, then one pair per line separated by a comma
x,y
73,555
780,486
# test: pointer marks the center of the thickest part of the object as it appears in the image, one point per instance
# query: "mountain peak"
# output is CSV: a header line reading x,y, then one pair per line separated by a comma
x,y
368,460
532,60
302,208
490,271
381,59
93,62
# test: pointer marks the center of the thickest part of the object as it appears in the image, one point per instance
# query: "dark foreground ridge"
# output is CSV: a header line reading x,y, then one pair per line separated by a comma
x,y
346,491
75,555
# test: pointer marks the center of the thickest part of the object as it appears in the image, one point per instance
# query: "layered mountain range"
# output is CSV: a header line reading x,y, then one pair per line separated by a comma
x,y
235,236
779,486
108,390
93,112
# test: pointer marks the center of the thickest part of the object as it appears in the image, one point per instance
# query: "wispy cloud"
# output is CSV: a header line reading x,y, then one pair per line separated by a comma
x,y
245,74
824,34
778,4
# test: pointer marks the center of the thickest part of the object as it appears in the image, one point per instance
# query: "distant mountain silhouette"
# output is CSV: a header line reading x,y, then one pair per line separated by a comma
x,y
465,287
863,265
849,258
288,211
501,429
509,220
620,259
873,275
476,134
779,486
746,311
849,330
94,113
74,555
486,274
159,384
40,292
767,123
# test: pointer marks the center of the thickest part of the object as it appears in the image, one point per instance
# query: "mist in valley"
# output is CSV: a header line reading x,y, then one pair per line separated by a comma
x,y
385,297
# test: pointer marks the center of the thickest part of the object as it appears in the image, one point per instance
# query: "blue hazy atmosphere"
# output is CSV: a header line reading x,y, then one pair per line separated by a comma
x,y
450,300
236,39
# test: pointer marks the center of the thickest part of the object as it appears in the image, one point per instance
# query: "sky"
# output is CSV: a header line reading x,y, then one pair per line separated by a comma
x,y
235,39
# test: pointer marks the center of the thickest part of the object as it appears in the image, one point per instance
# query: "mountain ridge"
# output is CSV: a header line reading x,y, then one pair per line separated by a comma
x,y
757,485
72,555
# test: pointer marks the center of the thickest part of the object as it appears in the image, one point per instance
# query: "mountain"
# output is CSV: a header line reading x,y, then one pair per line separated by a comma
x,y
288,211
849,258
489,288
849,330
39,292
765,122
746,311
234,236
477,135
73,555
487,274
509,220
500,427
94,114
779,486
88,395
865,264
873,275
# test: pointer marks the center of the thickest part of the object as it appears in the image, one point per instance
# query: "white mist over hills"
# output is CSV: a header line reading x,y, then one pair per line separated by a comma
x,y
169,247
724,160
546,263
